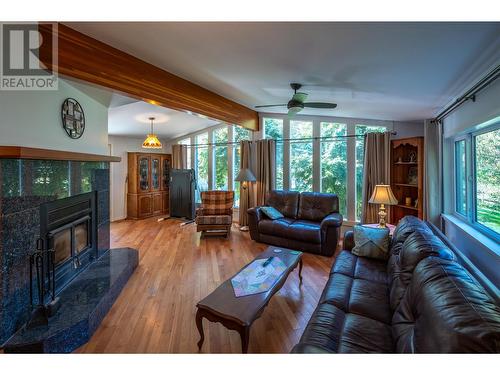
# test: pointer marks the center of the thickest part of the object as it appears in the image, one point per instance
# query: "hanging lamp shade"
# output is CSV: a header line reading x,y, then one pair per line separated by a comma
x,y
151,140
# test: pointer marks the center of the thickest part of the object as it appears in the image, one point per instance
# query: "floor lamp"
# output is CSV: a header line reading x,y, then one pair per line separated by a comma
x,y
244,177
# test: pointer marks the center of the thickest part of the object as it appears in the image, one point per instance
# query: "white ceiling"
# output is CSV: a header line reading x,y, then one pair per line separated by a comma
x,y
132,120
394,71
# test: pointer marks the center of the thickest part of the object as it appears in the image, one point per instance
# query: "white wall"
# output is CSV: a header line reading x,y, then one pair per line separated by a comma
x,y
33,119
471,116
119,147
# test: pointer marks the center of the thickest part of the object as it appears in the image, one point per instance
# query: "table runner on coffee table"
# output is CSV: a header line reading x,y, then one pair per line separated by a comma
x,y
255,278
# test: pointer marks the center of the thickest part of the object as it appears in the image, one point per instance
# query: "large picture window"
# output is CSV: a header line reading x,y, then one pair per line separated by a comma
x,y
460,177
273,129
201,164
220,155
487,179
477,188
301,156
333,161
187,142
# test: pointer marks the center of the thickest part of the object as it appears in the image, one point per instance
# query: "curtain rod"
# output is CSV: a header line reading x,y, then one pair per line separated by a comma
x,y
293,140
470,94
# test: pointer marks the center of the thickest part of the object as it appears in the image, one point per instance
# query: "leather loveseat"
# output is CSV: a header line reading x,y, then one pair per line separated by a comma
x,y
421,301
311,222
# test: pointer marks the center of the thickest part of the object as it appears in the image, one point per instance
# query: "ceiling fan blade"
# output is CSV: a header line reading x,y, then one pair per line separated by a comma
x,y
293,111
299,97
320,105
270,105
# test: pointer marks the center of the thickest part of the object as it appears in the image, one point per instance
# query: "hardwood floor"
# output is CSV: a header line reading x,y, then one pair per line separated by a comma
x,y
155,312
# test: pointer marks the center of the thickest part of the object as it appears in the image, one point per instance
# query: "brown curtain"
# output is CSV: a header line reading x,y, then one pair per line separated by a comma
x,y
376,171
432,203
260,158
265,168
179,156
246,195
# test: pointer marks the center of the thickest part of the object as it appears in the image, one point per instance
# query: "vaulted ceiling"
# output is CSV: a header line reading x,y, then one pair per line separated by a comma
x,y
393,71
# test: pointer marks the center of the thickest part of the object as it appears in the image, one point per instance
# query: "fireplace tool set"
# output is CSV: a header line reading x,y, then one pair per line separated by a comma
x,y
42,273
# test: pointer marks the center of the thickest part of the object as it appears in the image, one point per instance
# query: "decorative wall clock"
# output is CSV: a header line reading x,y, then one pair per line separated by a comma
x,y
73,118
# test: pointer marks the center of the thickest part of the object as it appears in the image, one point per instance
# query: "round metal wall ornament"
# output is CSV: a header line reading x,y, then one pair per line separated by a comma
x,y
73,118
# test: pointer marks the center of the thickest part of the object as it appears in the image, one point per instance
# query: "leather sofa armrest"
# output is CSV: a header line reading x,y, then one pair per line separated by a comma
x,y
256,212
254,216
332,220
348,243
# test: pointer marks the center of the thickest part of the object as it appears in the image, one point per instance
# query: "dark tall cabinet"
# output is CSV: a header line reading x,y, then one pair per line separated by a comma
x,y
182,190
148,184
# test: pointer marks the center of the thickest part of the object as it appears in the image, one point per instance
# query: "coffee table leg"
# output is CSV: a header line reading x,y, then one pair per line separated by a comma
x,y
199,324
245,337
300,270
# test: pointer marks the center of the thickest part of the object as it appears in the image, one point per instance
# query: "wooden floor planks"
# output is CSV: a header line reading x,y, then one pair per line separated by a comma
x,y
155,312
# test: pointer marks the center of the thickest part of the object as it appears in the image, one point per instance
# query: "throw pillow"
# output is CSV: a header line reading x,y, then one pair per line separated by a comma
x,y
371,242
271,212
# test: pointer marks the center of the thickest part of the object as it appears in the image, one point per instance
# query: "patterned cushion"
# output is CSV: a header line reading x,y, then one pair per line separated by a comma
x,y
217,202
371,242
213,220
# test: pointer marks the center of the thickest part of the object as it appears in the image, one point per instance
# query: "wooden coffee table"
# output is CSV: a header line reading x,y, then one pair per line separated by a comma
x,y
238,313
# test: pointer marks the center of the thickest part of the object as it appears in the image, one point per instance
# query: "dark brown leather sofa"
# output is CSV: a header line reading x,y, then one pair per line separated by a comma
x,y
420,301
312,222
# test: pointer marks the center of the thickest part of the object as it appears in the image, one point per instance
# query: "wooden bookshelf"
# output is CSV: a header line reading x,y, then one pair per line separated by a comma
x,y
407,177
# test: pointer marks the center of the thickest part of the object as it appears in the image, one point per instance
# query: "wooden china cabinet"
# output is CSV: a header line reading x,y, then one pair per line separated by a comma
x,y
148,184
407,177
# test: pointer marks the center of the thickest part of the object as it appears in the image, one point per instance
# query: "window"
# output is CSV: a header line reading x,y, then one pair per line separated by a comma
x,y
487,179
273,129
201,164
460,178
187,142
360,154
477,179
220,155
301,156
239,134
333,162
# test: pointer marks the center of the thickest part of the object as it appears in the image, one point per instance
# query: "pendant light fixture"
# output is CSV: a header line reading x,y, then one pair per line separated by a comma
x,y
151,140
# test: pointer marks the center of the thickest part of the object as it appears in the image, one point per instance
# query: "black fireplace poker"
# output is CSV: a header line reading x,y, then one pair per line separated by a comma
x,y
42,269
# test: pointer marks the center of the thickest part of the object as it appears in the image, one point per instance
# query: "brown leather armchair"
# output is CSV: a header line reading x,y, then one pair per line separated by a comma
x,y
311,222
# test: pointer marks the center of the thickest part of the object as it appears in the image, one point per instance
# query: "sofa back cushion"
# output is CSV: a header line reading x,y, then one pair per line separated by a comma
x,y
315,206
286,202
419,245
444,310
406,226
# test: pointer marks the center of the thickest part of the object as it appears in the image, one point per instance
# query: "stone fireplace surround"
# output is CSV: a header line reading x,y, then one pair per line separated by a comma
x,y
25,186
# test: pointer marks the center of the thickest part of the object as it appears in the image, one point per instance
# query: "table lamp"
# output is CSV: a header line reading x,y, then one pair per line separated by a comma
x,y
245,176
383,195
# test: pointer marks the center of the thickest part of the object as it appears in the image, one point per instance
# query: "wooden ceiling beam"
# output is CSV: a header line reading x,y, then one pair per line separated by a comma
x,y
87,59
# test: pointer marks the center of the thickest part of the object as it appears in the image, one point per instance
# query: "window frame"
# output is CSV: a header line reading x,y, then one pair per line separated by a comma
x,y
470,218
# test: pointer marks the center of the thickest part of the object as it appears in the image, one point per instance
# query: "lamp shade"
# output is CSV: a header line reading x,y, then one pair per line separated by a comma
x,y
383,195
151,141
245,175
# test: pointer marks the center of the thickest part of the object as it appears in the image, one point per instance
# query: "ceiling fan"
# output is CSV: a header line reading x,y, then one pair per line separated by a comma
x,y
297,103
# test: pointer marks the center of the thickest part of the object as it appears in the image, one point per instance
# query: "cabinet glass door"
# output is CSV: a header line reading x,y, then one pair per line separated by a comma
x,y
144,173
155,173
166,173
